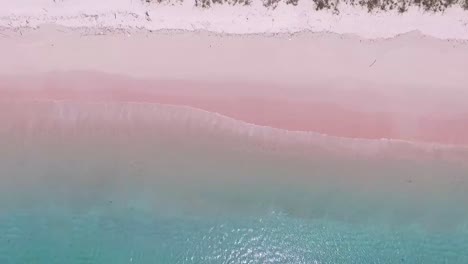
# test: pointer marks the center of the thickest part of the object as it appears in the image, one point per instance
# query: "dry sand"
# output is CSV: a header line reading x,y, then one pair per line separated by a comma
x,y
255,18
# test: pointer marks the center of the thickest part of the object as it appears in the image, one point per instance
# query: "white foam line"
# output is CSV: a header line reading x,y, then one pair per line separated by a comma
x,y
214,121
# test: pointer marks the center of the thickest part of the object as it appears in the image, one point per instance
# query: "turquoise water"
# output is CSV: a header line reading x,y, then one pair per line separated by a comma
x,y
117,234
218,225
96,193
99,209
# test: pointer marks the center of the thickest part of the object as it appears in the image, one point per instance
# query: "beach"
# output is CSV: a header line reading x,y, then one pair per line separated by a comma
x,y
404,88
144,132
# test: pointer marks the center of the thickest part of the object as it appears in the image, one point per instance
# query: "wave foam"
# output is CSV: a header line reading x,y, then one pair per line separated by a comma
x,y
47,118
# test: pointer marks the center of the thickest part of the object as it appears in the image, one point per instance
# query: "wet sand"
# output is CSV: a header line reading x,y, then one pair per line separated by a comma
x,y
408,88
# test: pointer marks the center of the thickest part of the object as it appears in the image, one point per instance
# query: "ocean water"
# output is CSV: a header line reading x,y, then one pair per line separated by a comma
x,y
122,230
120,234
137,184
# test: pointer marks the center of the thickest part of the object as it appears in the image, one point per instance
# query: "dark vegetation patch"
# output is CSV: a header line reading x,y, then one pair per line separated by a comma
x,y
465,4
209,3
400,6
327,5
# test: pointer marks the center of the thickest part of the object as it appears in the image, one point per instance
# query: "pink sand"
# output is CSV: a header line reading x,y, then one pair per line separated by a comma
x,y
356,91
335,113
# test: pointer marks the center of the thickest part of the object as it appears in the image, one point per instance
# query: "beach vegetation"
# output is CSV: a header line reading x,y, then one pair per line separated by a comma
x,y
465,4
401,6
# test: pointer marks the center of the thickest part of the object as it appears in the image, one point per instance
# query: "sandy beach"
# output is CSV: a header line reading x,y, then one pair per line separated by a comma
x,y
200,132
407,88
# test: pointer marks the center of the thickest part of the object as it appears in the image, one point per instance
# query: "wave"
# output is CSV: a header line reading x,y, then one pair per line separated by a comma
x,y
47,118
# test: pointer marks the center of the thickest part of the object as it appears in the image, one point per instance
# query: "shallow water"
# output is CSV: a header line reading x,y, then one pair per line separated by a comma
x,y
132,191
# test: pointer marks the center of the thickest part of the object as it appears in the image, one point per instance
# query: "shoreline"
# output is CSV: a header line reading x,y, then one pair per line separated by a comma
x,y
406,88
62,121
347,118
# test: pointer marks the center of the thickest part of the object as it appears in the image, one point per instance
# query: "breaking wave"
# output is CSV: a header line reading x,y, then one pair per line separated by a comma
x,y
48,118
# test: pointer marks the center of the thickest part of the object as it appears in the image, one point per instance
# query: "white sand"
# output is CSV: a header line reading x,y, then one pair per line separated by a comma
x,y
131,14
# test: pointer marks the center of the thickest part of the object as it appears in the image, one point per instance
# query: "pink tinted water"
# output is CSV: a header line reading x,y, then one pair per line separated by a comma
x,y
355,113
